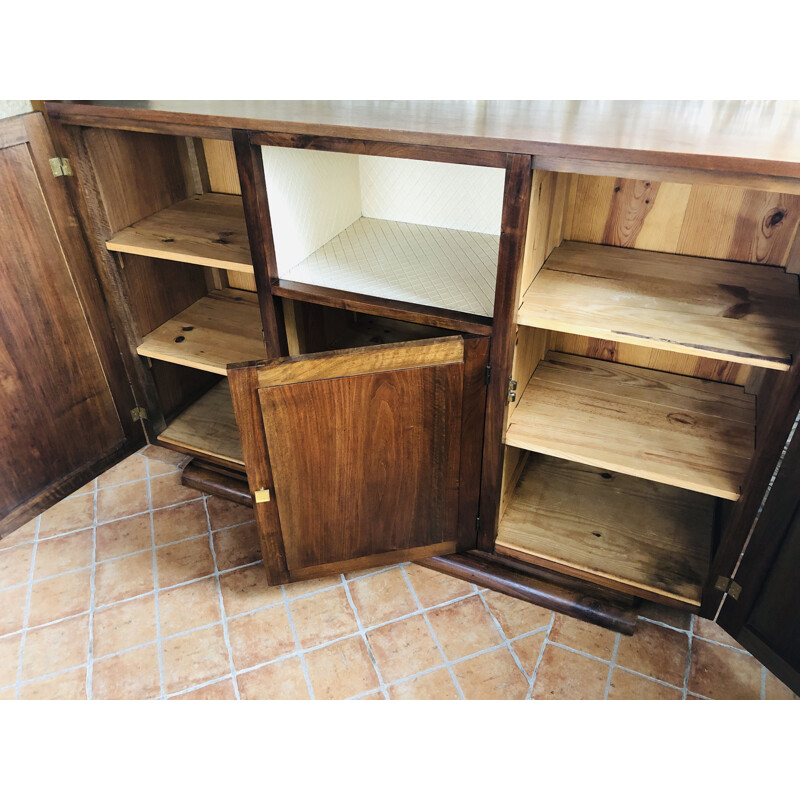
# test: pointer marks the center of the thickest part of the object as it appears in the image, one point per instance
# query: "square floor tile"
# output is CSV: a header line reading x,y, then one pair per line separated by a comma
x,y
246,589
167,490
64,686
12,609
121,501
707,629
59,597
433,588
528,649
627,686
283,680
221,690
516,617
464,628
63,554
124,625
403,648
382,596
341,670
301,588
131,469
128,676
193,658
123,537
184,561
180,522
191,606
655,651
235,547
56,647
261,636
162,455
583,636
9,659
437,685
322,617
723,673
223,513
22,535
564,675
123,578
15,565
70,514
491,676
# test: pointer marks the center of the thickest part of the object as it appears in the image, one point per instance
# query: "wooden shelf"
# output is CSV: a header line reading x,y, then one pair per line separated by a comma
x,y
623,532
208,230
720,309
681,431
207,429
220,329
419,264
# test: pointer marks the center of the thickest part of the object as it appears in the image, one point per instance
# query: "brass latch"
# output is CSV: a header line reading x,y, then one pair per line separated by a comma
x,y
60,167
728,586
261,496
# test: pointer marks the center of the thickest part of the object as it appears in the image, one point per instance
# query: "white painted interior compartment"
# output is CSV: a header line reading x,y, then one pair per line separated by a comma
x,y
417,231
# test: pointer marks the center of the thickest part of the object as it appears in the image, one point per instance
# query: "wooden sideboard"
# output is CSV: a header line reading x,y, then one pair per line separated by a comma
x,y
548,347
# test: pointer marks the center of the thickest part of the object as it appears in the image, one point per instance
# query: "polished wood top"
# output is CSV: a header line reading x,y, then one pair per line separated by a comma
x,y
757,137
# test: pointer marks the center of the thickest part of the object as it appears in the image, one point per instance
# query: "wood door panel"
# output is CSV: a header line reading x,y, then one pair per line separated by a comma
x,y
58,410
389,447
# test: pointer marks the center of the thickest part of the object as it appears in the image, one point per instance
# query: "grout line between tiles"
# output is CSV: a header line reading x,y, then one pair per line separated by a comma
x,y
159,648
224,618
541,654
505,639
27,612
690,632
763,682
297,649
212,682
90,650
611,665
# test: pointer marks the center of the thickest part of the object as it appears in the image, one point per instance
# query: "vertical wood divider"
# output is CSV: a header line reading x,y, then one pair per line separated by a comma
x,y
262,247
516,199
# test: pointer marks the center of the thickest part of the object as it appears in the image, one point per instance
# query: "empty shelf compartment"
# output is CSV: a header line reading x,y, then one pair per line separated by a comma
x,y
720,309
207,429
439,267
682,431
629,534
208,230
220,329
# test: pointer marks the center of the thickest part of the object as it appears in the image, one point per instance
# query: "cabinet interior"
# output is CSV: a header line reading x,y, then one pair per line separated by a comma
x,y
655,324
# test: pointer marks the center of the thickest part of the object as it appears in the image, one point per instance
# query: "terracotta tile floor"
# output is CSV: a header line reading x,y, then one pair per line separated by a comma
x,y
137,587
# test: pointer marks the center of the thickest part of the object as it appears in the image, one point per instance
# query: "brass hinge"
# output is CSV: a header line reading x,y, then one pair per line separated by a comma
x,y
60,167
138,413
511,397
261,496
728,586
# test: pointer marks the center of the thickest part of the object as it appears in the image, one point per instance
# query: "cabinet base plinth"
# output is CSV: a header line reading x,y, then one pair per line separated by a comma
x,y
210,478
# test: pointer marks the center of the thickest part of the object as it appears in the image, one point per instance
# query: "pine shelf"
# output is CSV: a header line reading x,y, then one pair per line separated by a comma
x,y
732,311
681,431
220,329
208,230
626,533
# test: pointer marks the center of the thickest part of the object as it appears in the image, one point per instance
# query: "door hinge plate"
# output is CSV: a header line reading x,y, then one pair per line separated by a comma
x,y
61,167
138,413
511,397
728,586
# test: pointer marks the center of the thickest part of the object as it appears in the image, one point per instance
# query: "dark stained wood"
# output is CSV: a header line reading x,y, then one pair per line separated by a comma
x,y
365,464
579,599
514,225
765,617
243,383
215,480
395,309
755,137
259,232
60,416
777,408
389,149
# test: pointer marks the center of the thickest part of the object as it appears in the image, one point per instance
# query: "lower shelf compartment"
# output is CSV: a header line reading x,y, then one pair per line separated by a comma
x,y
626,533
207,429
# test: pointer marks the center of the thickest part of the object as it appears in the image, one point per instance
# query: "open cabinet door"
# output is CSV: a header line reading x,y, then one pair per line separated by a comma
x,y
363,457
762,610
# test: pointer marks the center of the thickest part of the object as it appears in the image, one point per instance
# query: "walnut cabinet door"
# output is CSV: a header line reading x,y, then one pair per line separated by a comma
x,y
363,457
